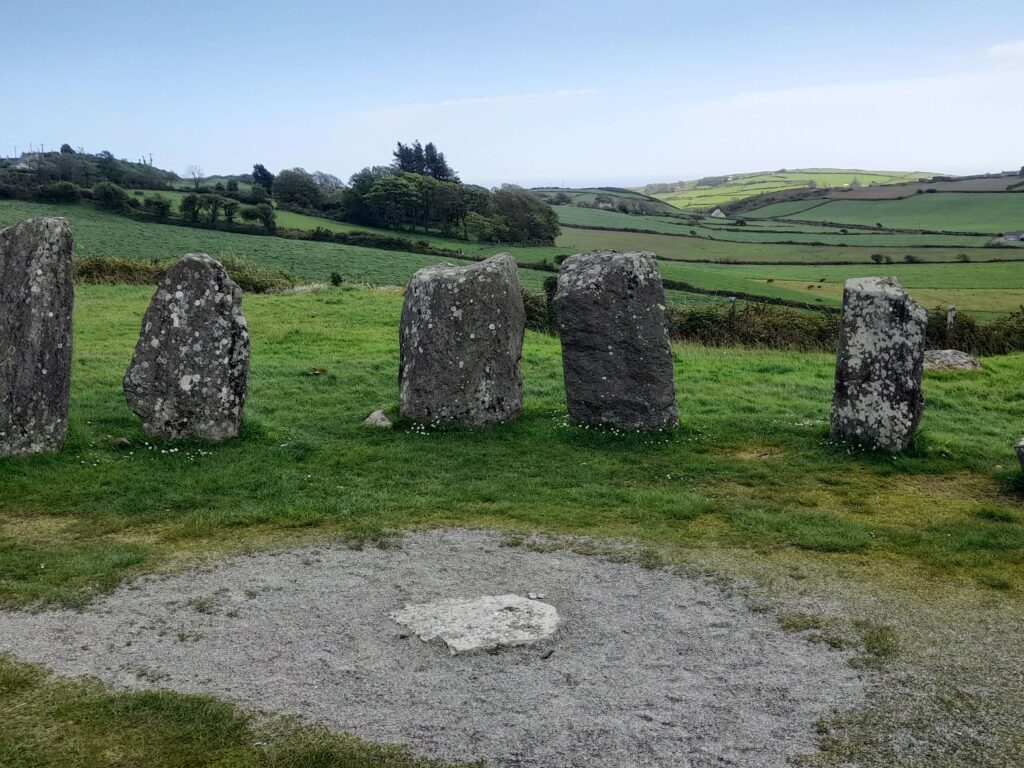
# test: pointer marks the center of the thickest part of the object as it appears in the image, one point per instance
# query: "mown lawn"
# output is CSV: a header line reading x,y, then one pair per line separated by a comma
x,y
749,482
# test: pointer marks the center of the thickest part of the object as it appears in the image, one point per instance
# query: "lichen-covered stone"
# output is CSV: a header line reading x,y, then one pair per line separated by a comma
x,y
878,400
36,302
949,360
461,339
616,353
190,371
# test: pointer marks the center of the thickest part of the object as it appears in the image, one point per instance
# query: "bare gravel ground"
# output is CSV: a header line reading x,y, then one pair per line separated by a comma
x,y
647,668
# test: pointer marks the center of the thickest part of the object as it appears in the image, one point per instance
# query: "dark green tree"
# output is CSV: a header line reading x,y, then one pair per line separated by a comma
x,y
262,177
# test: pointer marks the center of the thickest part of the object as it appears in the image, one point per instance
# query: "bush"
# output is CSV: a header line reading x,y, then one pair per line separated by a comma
x,y
61,192
157,205
336,279
110,196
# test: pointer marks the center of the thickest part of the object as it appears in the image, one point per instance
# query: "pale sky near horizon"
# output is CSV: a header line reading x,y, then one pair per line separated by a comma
x,y
573,93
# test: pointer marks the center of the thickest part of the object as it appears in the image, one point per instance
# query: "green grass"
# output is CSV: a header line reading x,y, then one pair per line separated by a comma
x,y
750,477
98,233
47,722
762,231
948,211
987,289
744,185
96,512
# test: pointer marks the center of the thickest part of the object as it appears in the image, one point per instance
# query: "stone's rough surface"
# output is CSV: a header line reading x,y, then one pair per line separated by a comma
x,y
481,624
461,340
878,398
378,419
616,353
36,300
190,371
1020,451
949,360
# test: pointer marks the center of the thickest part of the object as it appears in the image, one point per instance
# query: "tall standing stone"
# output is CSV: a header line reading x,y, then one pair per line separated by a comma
x,y
878,399
461,339
616,353
36,301
190,371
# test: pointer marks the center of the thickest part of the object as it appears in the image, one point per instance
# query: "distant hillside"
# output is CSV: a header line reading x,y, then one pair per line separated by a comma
x,y
82,169
711,192
605,198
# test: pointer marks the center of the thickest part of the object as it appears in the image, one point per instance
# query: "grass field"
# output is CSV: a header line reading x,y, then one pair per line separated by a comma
x,y
762,231
984,289
98,233
744,185
993,212
930,546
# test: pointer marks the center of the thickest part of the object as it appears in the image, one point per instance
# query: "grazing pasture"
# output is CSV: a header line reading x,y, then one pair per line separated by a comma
x,y
988,212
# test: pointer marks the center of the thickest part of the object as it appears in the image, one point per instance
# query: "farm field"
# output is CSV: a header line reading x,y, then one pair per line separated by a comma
x,y
985,293
983,289
744,185
919,558
98,233
762,230
994,212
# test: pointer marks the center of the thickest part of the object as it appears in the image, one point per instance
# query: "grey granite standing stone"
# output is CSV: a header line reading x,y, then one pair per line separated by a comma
x,y
461,339
190,371
1019,448
616,353
878,399
36,301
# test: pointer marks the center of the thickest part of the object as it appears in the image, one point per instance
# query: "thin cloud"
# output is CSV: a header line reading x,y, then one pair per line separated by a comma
x,y
1011,50
474,101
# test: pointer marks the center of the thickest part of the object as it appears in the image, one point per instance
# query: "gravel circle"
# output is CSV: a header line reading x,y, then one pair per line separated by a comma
x,y
647,668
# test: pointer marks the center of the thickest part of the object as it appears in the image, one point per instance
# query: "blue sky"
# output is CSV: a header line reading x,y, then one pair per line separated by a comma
x,y
526,92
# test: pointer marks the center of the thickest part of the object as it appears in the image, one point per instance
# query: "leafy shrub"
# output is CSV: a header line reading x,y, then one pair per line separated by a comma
x,y
61,192
157,205
110,196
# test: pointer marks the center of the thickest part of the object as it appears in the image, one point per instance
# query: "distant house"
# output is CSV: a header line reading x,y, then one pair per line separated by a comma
x,y
717,214
1014,237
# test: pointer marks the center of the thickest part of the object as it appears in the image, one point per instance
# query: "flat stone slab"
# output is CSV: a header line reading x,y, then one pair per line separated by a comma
x,y
949,360
482,623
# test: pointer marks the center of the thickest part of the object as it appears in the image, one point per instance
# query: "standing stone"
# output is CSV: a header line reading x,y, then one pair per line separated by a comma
x,y
36,300
1019,448
461,339
878,398
616,354
190,371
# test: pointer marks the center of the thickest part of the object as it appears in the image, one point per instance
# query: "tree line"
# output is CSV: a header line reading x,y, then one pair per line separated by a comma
x,y
418,191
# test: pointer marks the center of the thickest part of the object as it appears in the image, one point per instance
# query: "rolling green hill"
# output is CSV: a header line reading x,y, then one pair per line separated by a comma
x,y
696,196
988,212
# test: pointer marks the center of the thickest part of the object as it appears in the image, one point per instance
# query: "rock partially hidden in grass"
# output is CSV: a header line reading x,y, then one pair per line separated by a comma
x,y
378,419
481,624
949,360
1019,447
189,375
